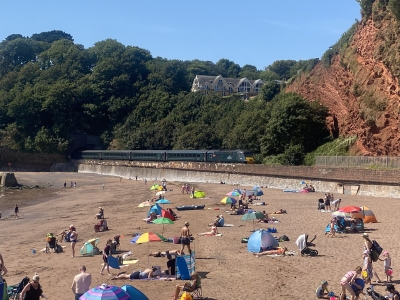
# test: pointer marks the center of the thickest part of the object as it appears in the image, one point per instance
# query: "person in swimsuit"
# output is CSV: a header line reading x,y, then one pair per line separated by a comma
x,y
16,211
148,273
387,264
213,231
33,290
73,238
185,238
188,286
106,253
346,282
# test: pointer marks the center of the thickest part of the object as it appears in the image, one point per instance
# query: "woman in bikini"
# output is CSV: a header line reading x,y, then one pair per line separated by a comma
x,y
73,238
214,231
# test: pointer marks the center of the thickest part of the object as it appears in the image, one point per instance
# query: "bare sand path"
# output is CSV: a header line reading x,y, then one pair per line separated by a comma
x,y
228,270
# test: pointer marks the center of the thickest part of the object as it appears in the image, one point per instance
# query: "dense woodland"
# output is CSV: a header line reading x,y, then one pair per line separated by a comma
x,y
51,87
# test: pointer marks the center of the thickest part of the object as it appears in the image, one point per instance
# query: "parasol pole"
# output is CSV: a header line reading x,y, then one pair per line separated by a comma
x,y
148,252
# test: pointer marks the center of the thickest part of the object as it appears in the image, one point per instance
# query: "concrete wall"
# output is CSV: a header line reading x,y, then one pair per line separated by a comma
x,y
354,181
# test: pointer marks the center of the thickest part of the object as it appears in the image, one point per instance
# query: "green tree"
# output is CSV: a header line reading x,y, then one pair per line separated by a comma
x,y
293,122
394,6
269,90
366,7
282,68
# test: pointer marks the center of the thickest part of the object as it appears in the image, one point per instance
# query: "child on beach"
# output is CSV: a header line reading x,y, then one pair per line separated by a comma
x,y
346,282
387,263
322,291
332,230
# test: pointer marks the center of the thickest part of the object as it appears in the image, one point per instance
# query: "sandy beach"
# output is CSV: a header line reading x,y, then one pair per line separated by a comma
x,y
227,269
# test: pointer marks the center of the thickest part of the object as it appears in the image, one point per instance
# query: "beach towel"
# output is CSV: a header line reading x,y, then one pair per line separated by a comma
x,y
228,225
130,262
113,262
301,242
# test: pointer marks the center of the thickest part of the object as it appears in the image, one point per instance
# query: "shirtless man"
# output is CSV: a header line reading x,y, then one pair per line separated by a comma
x,y
185,238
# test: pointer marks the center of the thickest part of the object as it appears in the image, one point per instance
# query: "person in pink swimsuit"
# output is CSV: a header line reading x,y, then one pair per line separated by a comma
x,y
347,281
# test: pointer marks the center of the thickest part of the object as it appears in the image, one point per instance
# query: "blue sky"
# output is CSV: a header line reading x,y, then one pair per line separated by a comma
x,y
256,32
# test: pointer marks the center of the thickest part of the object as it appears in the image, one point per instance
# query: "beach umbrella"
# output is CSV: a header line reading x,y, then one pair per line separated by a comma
x,y
228,200
150,237
160,193
340,214
350,209
234,193
106,292
145,204
163,201
256,215
163,221
134,292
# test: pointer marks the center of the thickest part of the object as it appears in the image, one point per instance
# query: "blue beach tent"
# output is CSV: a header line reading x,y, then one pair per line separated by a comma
x,y
134,292
257,191
157,209
261,240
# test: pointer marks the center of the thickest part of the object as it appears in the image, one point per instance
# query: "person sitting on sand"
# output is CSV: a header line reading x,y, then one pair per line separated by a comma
x,y
214,230
322,291
148,273
151,218
266,218
100,214
239,211
215,221
188,286
280,212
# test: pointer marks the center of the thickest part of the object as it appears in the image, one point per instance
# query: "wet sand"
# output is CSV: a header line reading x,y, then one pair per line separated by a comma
x,y
228,270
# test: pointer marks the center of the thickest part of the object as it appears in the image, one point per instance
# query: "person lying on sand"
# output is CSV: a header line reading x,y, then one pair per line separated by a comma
x,y
281,251
213,231
280,212
172,252
148,273
266,218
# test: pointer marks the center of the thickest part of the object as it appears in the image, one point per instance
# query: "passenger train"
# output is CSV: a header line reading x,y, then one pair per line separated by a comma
x,y
216,156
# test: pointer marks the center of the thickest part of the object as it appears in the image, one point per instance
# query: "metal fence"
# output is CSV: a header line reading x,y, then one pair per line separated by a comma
x,y
385,162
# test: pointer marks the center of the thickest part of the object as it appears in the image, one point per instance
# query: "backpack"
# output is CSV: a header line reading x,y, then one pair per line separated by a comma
x,y
283,238
376,247
58,249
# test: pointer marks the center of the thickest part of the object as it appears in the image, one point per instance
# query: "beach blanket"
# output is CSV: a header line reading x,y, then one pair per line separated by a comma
x,y
290,191
228,225
130,262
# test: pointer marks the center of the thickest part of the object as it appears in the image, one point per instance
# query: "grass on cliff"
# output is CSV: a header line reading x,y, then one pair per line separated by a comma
x,y
339,146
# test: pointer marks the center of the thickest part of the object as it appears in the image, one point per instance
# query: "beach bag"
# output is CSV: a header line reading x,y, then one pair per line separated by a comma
x,y
186,296
376,247
283,238
58,249
245,240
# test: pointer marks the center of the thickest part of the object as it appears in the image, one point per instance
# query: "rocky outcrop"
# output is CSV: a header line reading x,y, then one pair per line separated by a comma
x,y
360,90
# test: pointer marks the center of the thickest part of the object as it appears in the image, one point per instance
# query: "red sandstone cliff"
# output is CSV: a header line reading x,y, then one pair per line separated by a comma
x,y
360,89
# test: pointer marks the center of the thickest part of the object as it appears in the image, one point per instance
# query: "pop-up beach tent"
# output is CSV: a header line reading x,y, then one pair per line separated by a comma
x,y
134,292
157,209
366,215
261,240
90,247
154,187
257,191
198,194
166,214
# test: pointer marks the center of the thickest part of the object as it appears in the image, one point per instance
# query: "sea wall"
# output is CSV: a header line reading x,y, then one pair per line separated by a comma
x,y
378,183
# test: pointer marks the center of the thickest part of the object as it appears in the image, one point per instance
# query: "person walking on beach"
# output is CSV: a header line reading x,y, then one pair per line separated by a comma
x,y
16,211
3,270
81,283
33,290
145,181
74,184
106,254
185,238
65,184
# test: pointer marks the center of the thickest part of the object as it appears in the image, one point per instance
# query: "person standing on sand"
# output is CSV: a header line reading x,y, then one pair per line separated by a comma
x,y
185,238
65,184
73,237
145,181
81,283
106,253
3,270
16,211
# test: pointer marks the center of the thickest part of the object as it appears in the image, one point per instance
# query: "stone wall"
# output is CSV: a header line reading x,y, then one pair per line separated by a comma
x,y
379,183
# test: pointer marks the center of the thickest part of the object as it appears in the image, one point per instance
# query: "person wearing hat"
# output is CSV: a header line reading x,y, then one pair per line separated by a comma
x,y
322,291
33,290
100,214
394,294
185,238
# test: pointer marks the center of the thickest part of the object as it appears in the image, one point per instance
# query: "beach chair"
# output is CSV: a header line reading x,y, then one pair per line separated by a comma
x,y
14,291
198,292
